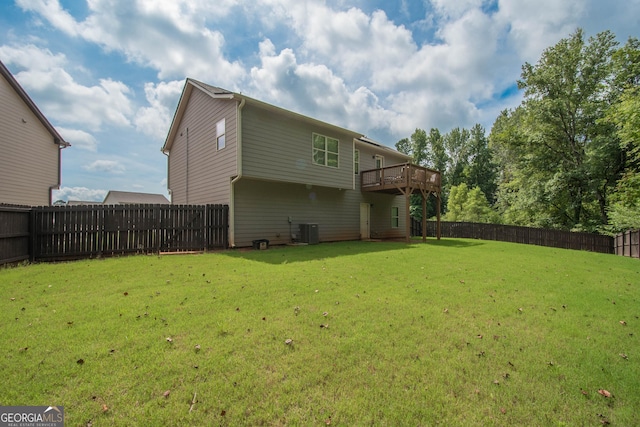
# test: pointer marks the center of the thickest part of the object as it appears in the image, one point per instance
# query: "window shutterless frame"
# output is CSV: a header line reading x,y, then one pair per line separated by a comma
x,y
356,161
325,151
220,134
395,217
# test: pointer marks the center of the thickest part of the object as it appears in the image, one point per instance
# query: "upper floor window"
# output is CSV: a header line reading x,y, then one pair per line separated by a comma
x,y
325,151
356,162
220,134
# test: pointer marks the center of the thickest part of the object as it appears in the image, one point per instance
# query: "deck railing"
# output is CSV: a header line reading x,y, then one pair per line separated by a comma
x,y
404,175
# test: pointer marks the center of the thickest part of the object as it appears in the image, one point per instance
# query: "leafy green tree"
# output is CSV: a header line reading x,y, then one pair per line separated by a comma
x,y
436,157
456,144
566,159
625,113
461,156
404,146
427,151
455,205
481,169
626,62
468,205
416,147
624,209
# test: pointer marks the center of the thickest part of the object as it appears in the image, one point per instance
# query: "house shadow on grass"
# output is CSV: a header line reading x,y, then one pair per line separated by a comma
x,y
300,253
455,243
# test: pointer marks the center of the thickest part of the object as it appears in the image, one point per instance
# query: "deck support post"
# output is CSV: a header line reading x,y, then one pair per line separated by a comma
x,y
424,217
438,216
407,198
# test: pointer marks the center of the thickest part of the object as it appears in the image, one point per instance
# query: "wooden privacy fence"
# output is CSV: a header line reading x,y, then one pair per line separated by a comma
x,y
15,236
628,244
516,234
72,232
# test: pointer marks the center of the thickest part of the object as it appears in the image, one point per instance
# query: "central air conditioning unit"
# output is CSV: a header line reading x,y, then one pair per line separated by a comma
x,y
309,234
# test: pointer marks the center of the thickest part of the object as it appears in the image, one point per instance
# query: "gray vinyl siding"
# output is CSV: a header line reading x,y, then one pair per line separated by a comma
x,y
279,148
204,175
29,158
262,210
381,205
368,153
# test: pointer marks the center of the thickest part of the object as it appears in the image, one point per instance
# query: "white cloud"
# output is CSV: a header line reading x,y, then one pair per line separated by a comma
x,y
374,75
108,166
170,37
31,57
355,67
79,194
162,98
455,9
79,139
58,17
534,26
63,99
315,90
353,43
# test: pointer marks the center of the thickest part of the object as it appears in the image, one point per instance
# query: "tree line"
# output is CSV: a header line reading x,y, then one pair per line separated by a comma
x,y
568,157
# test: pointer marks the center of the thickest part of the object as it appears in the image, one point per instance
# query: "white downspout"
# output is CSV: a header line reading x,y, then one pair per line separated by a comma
x,y
232,201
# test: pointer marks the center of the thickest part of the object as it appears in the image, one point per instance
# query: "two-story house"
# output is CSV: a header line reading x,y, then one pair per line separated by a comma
x,y
277,169
30,147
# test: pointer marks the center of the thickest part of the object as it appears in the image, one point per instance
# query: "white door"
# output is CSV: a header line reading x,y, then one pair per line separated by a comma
x,y
365,217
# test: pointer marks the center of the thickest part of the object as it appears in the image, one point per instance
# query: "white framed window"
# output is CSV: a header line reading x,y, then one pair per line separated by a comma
x,y
356,161
220,134
325,151
395,217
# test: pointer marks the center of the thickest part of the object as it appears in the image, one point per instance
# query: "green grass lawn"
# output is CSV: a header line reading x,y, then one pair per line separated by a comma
x,y
455,332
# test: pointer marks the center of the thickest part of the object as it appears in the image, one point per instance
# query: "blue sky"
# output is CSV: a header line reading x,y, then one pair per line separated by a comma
x,y
108,73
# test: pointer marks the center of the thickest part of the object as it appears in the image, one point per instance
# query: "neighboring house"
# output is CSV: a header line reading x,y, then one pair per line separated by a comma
x,y
30,147
129,198
277,169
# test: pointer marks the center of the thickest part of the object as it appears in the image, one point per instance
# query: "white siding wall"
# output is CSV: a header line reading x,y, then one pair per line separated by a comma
x,y
29,159
204,175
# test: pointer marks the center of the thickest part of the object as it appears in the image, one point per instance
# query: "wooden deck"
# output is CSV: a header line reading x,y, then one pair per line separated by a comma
x,y
400,179
406,179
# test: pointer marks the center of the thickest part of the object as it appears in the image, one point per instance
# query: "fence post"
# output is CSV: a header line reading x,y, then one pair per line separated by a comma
x,y
208,226
157,225
32,235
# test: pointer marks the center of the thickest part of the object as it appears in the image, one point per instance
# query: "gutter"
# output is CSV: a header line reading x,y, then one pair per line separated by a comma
x,y
168,175
238,177
61,146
